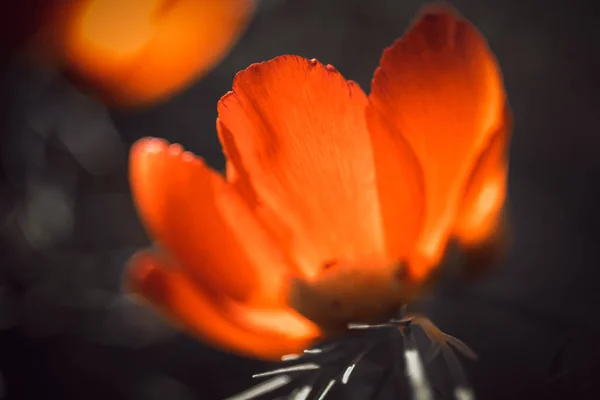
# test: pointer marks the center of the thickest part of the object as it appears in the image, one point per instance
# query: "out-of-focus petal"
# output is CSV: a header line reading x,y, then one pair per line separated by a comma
x,y
201,221
266,334
480,214
295,131
137,51
441,89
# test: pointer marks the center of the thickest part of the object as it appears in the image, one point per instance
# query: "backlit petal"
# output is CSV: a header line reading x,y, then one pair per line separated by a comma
x,y
232,327
202,222
441,88
480,215
400,185
295,132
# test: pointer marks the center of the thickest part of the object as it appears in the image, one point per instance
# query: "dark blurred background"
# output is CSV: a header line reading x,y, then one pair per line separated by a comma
x,y
68,223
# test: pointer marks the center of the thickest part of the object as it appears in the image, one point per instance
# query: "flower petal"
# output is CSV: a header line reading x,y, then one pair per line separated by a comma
x,y
295,132
203,223
441,88
235,328
480,214
400,185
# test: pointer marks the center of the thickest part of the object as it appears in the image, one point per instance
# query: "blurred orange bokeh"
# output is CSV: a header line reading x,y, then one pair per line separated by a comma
x,y
135,52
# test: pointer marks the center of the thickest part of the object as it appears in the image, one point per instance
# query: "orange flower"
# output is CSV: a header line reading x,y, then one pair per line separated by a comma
x,y
336,206
133,52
